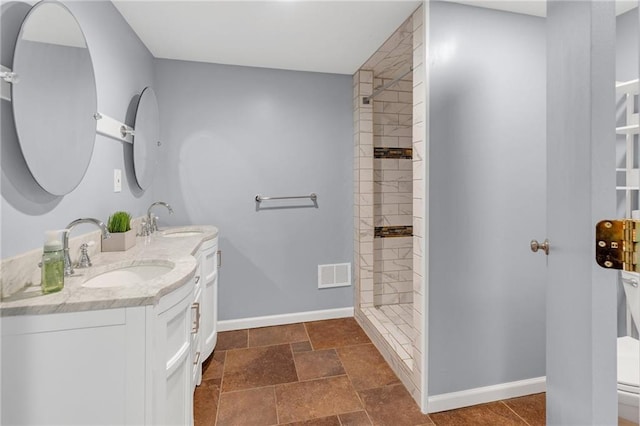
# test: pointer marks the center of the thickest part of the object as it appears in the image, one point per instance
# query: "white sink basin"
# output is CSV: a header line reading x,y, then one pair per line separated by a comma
x,y
179,234
127,275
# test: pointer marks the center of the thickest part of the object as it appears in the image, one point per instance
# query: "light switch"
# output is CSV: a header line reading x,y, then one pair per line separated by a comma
x,y
117,180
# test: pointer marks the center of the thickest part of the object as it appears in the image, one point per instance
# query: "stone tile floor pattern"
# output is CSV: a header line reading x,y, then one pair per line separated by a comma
x,y
324,373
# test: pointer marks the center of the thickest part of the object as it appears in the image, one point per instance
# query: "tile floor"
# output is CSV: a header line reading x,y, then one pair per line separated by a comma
x,y
324,373
395,324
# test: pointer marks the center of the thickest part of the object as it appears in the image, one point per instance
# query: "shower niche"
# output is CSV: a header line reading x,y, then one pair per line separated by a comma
x,y
389,189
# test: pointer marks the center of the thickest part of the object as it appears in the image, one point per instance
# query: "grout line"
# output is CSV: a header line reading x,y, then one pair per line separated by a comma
x,y
514,412
295,365
224,368
304,324
265,346
215,420
275,400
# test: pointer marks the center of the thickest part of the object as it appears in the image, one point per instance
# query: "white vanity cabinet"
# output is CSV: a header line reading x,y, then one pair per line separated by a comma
x,y
210,263
74,368
125,354
123,366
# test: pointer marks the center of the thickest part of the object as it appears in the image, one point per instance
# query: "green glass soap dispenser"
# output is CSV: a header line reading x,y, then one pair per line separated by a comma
x,y
52,263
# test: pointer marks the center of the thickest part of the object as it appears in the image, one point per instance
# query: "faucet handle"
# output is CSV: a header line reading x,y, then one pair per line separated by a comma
x,y
84,261
144,229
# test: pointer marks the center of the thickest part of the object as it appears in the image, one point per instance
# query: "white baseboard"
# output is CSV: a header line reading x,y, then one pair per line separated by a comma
x,y
466,398
254,322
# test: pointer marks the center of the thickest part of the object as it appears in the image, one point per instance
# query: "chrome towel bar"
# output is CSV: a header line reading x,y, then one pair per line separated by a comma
x,y
260,198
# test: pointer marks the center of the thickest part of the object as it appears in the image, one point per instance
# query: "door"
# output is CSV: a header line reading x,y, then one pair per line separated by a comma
x,y
581,297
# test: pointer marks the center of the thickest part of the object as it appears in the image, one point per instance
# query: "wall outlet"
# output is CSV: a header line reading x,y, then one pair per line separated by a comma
x,y
117,180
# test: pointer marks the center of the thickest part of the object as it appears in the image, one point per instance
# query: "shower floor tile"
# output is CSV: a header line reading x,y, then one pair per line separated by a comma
x,y
395,324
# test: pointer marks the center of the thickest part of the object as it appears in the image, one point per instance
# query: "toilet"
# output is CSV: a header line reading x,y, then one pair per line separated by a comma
x,y
629,355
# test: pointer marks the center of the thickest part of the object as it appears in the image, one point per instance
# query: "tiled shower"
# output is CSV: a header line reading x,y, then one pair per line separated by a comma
x,y
389,114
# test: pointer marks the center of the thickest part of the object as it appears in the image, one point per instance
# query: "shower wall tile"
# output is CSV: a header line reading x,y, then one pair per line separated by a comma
x,y
397,176
417,246
393,220
405,208
418,228
405,97
365,87
386,209
418,284
400,242
406,187
418,150
396,130
405,119
363,188
387,96
393,260
404,142
405,164
395,196
385,141
366,211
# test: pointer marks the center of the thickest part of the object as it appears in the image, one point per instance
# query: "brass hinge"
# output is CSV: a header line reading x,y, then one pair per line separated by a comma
x,y
618,244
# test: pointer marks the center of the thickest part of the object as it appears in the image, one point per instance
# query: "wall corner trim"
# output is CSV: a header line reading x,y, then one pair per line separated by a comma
x,y
265,321
466,398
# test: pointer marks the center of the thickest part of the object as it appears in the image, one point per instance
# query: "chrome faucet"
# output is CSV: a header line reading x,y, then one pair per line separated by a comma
x,y
68,269
151,220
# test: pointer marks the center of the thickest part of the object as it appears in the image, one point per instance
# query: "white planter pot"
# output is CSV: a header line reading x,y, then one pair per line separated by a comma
x,y
119,241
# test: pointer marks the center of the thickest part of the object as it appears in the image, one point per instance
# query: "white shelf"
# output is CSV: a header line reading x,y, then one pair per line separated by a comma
x,y
628,130
628,90
630,87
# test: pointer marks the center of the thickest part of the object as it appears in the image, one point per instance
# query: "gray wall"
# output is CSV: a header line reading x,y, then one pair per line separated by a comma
x,y
123,67
231,133
487,197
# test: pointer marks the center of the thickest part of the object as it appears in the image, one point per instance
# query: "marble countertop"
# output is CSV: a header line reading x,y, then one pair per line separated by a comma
x,y
157,249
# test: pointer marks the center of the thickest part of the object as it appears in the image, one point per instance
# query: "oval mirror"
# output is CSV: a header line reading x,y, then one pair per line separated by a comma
x,y
54,98
146,138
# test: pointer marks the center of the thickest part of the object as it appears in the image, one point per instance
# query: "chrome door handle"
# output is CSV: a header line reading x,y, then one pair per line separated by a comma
x,y
535,246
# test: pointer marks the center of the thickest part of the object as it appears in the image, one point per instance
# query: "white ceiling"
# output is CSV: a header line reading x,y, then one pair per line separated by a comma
x,y
533,7
322,36
333,36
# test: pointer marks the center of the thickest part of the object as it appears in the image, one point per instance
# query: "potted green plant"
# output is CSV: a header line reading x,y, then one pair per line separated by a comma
x,y
122,236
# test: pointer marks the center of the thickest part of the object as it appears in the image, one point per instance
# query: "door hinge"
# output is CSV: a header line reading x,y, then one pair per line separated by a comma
x,y
617,244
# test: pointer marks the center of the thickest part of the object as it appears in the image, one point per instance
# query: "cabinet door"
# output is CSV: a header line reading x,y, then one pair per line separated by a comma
x,y
209,298
72,368
172,372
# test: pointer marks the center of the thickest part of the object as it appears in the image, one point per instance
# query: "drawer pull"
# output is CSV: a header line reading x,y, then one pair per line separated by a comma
x,y
197,360
196,326
219,253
